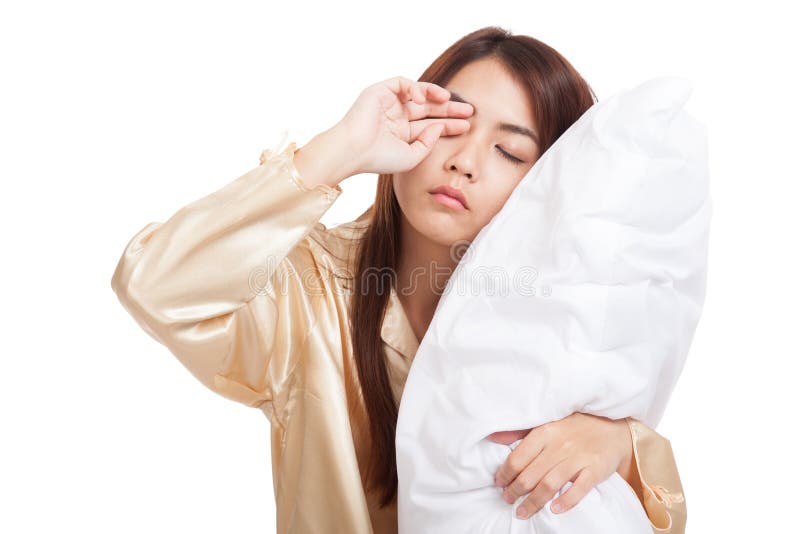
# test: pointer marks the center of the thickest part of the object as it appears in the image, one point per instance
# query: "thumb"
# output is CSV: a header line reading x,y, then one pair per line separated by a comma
x,y
424,142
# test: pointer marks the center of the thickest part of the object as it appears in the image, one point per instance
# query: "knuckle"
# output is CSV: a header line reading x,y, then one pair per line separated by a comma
x,y
520,485
531,506
525,483
535,502
550,485
514,464
515,488
554,484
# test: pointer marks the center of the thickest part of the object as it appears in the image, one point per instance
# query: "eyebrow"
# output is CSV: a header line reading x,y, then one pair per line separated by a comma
x,y
503,126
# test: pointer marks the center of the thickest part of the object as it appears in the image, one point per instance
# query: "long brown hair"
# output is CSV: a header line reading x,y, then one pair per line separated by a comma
x,y
558,96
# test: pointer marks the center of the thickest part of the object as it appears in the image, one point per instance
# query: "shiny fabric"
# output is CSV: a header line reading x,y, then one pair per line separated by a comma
x,y
611,228
249,291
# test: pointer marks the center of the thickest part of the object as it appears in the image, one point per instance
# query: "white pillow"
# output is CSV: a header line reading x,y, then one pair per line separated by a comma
x,y
600,257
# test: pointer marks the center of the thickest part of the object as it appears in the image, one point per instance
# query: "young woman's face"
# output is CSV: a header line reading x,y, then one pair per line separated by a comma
x,y
475,162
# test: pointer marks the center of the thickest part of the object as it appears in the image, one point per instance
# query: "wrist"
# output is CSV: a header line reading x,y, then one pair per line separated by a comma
x,y
627,467
346,155
325,159
626,444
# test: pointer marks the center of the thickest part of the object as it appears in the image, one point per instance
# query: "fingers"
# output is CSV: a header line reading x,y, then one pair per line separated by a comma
x,y
521,457
415,111
422,145
425,99
551,484
430,114
424,91
528,479
577,491
451,126
407,89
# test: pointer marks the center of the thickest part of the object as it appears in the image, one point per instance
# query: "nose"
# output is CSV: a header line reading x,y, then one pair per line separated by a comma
x,y
467,174
464,158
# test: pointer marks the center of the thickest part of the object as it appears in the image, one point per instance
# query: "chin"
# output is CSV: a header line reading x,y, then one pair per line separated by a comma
x,y
441,228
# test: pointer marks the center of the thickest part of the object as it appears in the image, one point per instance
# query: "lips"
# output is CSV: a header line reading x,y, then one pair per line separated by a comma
x,y
451,192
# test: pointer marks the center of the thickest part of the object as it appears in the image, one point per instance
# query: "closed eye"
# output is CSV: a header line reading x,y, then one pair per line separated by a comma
x,y
505,154
509,156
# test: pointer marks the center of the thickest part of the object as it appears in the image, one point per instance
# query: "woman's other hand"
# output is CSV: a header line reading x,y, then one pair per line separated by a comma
x,y
393,124
582,448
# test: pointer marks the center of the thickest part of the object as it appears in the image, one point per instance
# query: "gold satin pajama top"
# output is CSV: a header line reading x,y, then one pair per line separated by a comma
x,y
249,291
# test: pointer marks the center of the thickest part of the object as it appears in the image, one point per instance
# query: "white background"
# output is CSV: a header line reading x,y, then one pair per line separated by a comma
x,y
117,114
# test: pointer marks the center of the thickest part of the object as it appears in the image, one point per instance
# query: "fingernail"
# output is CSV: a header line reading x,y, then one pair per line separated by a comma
x,y
557,507
522,513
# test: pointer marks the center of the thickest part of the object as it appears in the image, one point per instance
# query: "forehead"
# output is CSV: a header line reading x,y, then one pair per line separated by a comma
x,y
503,104
494,94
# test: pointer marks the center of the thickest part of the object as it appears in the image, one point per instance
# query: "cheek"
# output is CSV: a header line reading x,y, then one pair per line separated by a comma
x,y
403,186
492,200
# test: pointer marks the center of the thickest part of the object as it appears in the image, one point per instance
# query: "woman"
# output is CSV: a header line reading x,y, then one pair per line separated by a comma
x,y
268,307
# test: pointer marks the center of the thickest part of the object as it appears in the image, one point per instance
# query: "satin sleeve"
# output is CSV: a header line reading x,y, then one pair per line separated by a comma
x,y
201,283
664,501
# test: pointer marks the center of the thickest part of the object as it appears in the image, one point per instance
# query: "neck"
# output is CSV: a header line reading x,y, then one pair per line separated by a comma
x,y
423,271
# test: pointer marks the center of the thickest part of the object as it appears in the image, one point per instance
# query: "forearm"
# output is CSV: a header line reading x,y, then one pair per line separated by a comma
x,y
201,282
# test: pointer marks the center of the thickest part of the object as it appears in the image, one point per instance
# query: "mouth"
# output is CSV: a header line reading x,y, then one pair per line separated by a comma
x,y
450,197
